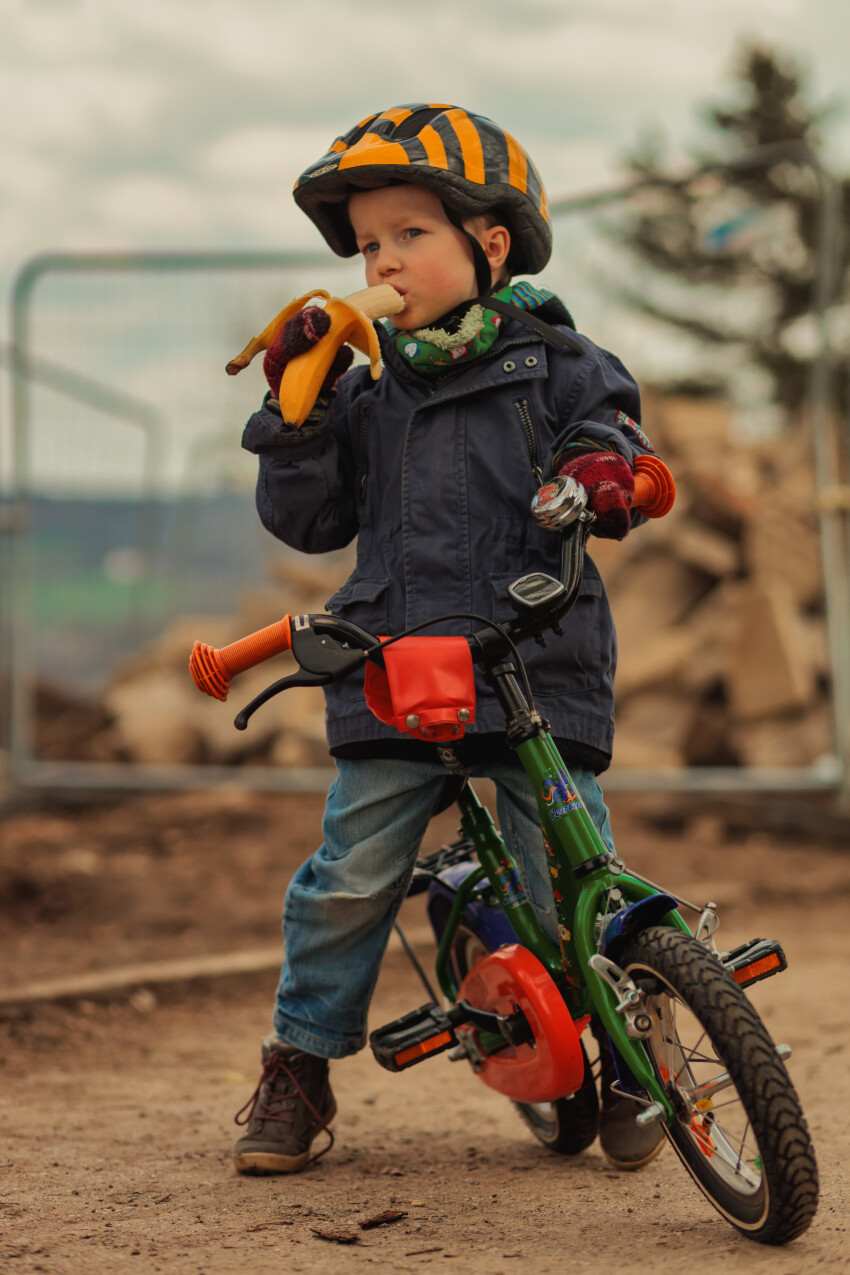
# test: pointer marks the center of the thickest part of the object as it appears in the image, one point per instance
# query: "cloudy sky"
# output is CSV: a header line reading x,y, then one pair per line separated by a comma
x,y
182,123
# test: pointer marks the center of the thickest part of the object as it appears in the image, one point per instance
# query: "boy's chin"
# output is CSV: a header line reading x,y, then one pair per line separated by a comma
x,y
409,322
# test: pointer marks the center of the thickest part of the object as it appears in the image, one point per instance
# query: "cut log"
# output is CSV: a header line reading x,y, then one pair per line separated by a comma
x,y
650,732
782,547
692,425
661,661
704,549
797,740
656,593
768,669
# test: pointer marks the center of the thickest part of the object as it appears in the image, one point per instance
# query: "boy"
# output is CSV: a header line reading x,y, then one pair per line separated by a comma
x,y
486,392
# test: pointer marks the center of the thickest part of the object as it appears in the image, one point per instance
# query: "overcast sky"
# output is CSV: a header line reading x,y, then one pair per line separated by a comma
x,y
183,123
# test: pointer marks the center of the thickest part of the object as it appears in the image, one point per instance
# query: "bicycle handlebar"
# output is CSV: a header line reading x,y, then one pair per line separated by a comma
x,y
212,669
655,490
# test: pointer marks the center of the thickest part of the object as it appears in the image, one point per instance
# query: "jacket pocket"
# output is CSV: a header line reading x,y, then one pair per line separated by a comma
x,y
579,660
363,602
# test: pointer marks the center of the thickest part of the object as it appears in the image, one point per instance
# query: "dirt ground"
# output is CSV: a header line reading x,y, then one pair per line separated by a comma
x,y
117,1110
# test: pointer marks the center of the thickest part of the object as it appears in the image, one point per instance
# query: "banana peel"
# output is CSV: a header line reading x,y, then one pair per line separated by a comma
x,y
351,323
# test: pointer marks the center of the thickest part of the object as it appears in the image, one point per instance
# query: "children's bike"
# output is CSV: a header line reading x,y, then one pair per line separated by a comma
x,y
689,1048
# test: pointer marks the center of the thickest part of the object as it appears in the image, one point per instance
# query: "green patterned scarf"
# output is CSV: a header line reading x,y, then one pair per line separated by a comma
x,y
461,341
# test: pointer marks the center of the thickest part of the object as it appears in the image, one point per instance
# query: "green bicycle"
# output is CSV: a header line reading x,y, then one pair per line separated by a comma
x,y
689,1049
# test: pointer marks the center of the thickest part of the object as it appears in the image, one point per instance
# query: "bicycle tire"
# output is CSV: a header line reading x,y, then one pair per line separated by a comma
x,y
746,1145
567,1126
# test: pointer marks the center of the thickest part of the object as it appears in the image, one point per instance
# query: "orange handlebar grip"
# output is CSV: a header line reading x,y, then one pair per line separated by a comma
x,y
655,490
212,669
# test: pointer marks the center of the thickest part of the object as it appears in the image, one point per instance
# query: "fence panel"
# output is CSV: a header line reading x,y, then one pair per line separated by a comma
x,y
140,521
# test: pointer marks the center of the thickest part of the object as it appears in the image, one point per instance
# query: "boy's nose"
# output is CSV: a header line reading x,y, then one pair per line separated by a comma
x,y
388,263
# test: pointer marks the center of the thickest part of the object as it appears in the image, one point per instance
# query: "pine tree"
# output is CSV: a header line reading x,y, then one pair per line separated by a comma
x,y
751,236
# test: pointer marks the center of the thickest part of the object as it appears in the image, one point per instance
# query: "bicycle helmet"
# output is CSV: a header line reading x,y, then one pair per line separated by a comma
x,y
471,163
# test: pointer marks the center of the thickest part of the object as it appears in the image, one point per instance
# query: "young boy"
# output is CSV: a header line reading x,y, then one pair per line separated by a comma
x,y
486,393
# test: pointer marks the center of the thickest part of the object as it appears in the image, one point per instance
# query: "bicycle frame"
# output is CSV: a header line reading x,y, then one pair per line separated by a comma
x,y
581,876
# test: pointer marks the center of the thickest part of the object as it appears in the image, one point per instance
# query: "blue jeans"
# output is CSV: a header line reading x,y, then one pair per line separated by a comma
x,y
341,904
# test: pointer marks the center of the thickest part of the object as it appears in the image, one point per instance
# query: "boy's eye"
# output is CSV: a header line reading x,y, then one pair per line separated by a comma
x,y
369,247
414,232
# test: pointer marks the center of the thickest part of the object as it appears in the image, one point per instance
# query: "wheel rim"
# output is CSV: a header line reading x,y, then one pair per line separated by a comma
x,y
467,950
543,1115
711,1119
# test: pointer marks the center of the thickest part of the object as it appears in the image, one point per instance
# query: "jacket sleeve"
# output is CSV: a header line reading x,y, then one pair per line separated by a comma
x,y
600,408
306,488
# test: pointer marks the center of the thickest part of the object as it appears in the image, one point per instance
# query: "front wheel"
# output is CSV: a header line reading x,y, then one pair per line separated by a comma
x,y
739,1129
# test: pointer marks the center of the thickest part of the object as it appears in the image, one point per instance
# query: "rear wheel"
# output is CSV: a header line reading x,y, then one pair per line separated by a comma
x,y
739,1129
568,1125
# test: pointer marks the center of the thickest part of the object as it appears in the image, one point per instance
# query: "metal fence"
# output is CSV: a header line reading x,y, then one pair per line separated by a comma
x,y
131,504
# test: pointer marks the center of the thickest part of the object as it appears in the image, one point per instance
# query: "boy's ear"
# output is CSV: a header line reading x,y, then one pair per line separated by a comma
x,y
496,242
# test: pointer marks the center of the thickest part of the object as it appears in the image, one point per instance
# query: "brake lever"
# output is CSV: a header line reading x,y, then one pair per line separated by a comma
x,y
301,678
321,658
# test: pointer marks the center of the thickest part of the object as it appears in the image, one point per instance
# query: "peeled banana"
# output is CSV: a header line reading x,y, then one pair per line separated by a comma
x,y
351,323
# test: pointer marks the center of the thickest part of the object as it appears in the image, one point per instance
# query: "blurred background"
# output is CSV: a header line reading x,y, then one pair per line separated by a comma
x,y
696,155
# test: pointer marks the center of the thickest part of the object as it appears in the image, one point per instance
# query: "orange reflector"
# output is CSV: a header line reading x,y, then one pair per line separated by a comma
x,y
424,1047
749,972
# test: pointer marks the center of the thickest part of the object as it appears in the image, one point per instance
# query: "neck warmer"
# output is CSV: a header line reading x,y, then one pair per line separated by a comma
x,y
463,335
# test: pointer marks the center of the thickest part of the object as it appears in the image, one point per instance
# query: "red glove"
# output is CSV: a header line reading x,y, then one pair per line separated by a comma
x,y
610,485
301,333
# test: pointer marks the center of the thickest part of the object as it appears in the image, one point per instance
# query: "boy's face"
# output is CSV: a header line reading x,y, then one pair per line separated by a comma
x,y
407,241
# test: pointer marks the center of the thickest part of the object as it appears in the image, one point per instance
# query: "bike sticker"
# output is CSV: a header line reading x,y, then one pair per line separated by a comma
x,y
559,796
509,884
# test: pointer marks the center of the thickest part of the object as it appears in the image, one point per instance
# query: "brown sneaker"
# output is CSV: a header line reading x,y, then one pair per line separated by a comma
x,y
625,1144
291,1104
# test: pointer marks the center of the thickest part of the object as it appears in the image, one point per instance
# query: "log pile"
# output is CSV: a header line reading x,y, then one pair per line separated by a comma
x,y
719,612
161,716
719,606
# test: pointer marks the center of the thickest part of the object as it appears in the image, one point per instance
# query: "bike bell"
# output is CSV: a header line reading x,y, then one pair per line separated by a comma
x,y
559,503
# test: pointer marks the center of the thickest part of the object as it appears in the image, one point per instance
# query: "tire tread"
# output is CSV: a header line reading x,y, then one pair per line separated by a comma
x,y
746,1050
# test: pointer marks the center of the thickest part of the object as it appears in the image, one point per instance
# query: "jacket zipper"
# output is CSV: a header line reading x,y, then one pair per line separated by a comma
x,y
363,443
524,414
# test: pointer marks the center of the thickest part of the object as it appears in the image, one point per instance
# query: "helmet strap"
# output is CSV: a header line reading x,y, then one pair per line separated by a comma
x,y
562,340
484,281
483,273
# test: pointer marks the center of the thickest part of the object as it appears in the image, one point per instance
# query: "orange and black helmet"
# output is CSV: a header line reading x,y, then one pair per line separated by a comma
x,y
472,164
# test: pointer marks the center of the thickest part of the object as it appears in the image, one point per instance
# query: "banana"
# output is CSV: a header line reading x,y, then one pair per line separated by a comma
x,y
351,323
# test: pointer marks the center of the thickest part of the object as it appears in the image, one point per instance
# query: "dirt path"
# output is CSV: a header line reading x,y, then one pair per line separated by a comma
x,y
116,1117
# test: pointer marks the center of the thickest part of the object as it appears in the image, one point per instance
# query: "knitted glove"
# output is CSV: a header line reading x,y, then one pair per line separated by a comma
x,y
301,333
610,486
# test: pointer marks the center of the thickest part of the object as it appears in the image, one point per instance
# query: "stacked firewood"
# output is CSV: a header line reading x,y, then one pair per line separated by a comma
x,y
719,610
720,606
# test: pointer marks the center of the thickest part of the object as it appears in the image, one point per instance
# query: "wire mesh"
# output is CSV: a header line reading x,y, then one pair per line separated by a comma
x,y
139,501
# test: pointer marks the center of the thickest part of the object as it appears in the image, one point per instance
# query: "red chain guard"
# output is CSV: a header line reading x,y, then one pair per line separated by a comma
x,y
551,1066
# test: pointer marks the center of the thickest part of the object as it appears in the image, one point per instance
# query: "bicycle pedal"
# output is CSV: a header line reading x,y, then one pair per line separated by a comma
x,y
409,1040
753,961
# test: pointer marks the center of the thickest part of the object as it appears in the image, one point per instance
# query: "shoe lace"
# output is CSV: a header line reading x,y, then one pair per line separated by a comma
x,y
275,1098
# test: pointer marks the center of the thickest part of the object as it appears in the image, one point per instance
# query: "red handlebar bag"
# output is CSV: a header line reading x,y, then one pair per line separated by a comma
x,y
427,689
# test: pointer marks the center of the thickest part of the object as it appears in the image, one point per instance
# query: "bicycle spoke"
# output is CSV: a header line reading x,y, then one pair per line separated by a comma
x,y
741,1148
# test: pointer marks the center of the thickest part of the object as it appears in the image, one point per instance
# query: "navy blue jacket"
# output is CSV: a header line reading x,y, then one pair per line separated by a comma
x,y
435,479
